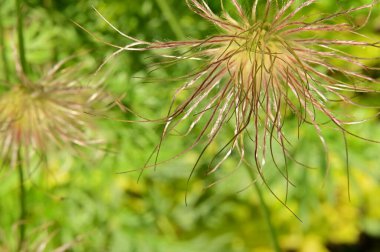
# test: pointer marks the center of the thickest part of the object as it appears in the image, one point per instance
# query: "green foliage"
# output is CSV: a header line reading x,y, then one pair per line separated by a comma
x,y
91,205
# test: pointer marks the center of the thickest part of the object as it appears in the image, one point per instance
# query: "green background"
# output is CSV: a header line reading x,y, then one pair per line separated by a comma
x,y
84,202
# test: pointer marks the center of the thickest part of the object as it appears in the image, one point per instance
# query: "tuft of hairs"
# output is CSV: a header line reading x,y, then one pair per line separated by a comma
x,y
54,112
264,65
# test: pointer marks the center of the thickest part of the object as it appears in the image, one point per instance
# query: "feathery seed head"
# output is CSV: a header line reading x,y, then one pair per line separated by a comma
x,y
53,112
253,57
262,67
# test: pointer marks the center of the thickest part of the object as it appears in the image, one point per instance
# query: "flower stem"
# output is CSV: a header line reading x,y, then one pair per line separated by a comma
x,y
22,194
170,18
22,199
266,212
3,51
20,35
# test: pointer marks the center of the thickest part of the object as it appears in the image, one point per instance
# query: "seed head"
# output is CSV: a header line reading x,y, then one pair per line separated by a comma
x,y
261,68
53,112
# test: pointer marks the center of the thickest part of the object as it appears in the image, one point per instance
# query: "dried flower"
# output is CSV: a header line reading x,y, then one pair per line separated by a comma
x,y
51,112
262,67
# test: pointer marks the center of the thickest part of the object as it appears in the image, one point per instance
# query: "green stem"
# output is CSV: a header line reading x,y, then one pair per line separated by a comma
x,y
266,212
22,199
4,51
170,18
20,35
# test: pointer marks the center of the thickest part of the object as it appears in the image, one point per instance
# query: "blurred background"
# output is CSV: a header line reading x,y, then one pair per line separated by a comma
x,y
86,203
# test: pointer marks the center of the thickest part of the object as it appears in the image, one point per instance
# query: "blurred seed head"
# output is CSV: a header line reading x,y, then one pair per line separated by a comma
x,y
264,65
54,112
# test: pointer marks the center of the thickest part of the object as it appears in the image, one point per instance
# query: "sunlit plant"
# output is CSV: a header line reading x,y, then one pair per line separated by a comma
x,y
38,118
54,112
264,65
43,113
